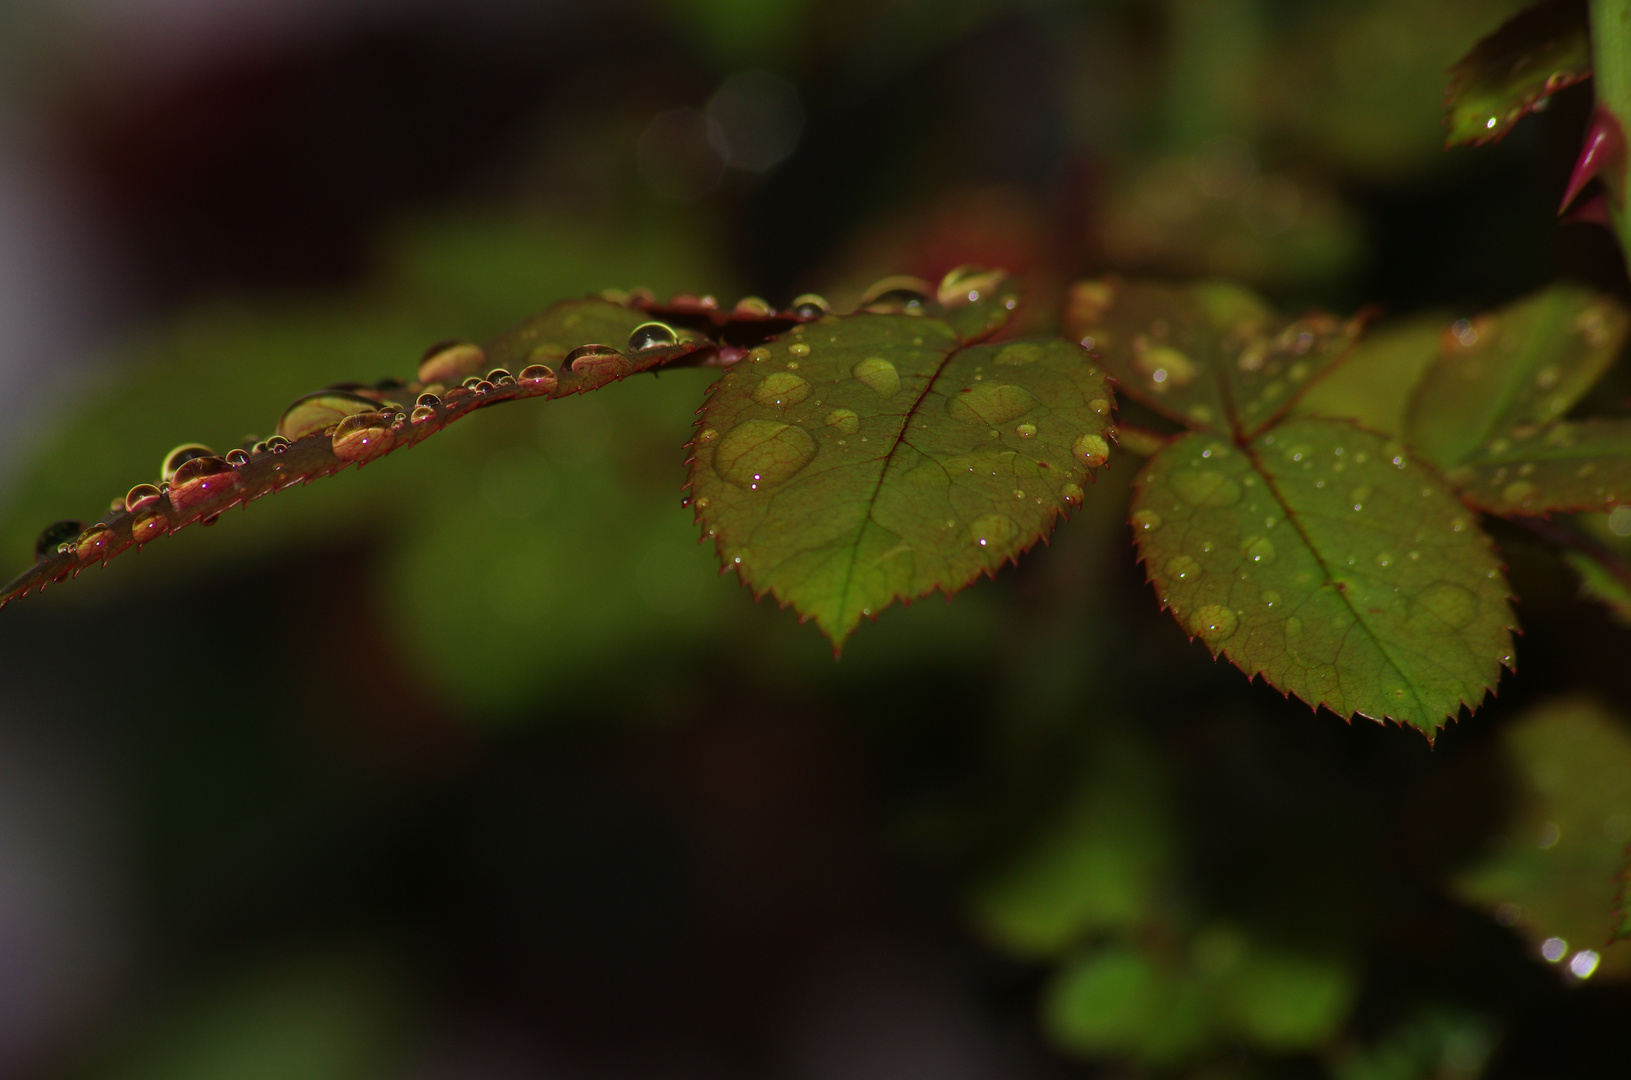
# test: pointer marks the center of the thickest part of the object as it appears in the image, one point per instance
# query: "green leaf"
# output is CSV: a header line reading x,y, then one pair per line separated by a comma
x,y
1534,54
880,456
1374,385
1507,375
1211,356
1554,875
1567,466
322,433
1322,558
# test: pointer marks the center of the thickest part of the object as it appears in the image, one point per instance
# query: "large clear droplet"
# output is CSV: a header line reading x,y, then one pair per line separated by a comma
x,y
200,478
652,335
780,389
596,360
878,374
320,411
451,361
180,456
362,437
990,404
760,454
811,306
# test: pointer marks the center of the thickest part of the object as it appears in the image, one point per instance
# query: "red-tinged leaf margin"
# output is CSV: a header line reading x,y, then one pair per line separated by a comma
x,y
1534,54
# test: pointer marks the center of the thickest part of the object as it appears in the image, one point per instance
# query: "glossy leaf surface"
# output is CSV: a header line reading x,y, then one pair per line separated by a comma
x,y
875,457
1322,558
1514,369
357,424
1211,356
1534,54
1374,385
1553,876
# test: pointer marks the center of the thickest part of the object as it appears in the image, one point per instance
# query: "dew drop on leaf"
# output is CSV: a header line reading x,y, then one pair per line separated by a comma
x,y
1166,367
1146,521
759,454
810,306
1093,450
178,457
320,411
1026,431
990,403
1384,559
148,525
1203,487
652,335
798,349
142,495
95,543
1072,493
992,530
844,420
1259,550
1519,493
877,374
1450,604
588,359
1271,598
538,375
362,437
1213,622
781,389
1183,568
450,361
1099,405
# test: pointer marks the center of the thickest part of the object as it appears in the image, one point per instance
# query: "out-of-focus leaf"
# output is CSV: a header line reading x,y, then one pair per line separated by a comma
x,y
1322,558
1215,214
1490,409
1509,373
1534,54
1599,583
1211,356
1436,1044
1553,876
1164,1006
1373,386
1104,866
323,433
883,455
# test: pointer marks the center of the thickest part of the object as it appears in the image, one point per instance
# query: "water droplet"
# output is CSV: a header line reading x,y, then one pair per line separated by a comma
x,y
142,495
1450,604
539,375
320,411
1213,622
844,420
878,374
1092,450
811,306
199,478
893,295
992,530
237,457
781,389
596,360
97,542
1072,494
651,335
1519,493
1026,431
967,284
1294,630
54,535
708,435
759,454
753,307
1547,377
147,525
1271,598
450,361
1099,405
471,383
422,413
362,437
798,349
1183,568
1200,487
1165,367
990,403
1457,524
180,456
1258,550
1146,521
1384,559
1358,496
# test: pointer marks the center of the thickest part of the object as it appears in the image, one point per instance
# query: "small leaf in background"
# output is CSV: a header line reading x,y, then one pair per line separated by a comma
x,y
1599,583
1436,1044
1508,74
1104,866
1554,875
1373,386
1490,409
880,456
1211,356
1166,1002
1322,558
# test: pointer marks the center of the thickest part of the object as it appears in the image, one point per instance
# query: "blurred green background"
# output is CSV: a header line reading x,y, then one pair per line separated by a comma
x,y
470,765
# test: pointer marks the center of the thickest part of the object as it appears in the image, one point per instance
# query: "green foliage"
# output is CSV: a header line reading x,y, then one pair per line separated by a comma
x,y
1510,72
881,456
1312,552
1552,875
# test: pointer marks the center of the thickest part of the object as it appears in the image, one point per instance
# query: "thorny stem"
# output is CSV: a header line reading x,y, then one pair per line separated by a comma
x,y
1611,71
